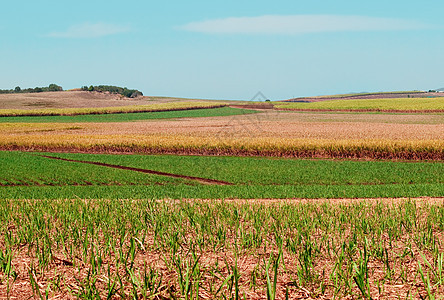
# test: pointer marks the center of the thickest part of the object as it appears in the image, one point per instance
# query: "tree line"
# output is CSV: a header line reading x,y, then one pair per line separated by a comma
x,y
51,88
130,93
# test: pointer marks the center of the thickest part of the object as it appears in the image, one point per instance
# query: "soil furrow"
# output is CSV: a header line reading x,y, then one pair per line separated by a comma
x,y
199,179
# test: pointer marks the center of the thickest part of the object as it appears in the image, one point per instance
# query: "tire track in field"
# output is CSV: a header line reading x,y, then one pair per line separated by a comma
x,y
199,179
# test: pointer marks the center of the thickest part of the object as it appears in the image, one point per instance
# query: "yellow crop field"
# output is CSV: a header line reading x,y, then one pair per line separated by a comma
x,y
211,145
182,105
389,104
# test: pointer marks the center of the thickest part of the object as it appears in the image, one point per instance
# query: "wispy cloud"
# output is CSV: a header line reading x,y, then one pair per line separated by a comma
x,y
90,30
300,24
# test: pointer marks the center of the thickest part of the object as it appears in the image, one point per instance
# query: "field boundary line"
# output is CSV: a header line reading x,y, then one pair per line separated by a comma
x,y
200,179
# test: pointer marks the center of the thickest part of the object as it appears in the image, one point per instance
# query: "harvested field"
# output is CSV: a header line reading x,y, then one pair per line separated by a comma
x,y
77,99
284,125
295,249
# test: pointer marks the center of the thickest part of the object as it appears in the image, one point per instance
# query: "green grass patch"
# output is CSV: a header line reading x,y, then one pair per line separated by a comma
x,y
275,171
251,177
25,169
127,117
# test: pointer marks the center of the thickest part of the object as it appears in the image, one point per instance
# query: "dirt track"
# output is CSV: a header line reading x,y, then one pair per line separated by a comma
x,y
199,179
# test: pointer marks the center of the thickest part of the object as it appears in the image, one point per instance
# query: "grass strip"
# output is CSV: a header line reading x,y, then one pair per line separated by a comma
x,y
30,176
181,191
195,112
278,171
180,105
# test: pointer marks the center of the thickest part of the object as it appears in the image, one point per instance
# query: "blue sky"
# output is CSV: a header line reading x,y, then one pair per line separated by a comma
x,y
224,49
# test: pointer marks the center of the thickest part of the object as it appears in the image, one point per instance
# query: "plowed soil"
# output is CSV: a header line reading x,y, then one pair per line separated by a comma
x,y
74,99
278,125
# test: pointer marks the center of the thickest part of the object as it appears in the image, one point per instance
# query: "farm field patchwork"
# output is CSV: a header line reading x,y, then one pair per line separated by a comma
x,y
39,177
127,117
150,107
80,99
390,104
261,213
148,249
292,134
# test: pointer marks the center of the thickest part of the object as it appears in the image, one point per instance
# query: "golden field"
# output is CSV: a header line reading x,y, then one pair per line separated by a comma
x,y
389,104
269,134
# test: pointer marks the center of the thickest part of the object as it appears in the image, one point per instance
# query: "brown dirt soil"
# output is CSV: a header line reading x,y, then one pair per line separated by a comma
x,y
281,125
75,99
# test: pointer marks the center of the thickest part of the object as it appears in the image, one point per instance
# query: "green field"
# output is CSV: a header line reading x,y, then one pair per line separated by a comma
x,y
25,169
127,117
149,107
391,104
27,175
266,171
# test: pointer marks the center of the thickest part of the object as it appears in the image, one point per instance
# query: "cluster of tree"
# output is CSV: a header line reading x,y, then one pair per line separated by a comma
x,y
130,93
51,88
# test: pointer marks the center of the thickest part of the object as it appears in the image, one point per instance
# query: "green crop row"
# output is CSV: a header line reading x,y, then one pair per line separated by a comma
x,y
201,191
127,117
101,249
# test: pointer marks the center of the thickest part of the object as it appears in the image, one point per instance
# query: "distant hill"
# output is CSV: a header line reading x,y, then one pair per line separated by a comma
x,y
440,90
